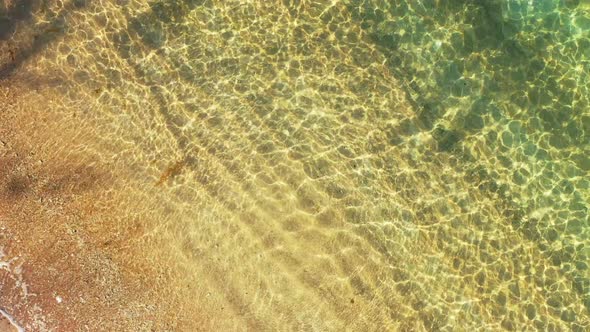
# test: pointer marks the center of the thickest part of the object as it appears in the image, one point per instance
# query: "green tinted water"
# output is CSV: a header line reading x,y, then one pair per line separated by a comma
x,y
358,164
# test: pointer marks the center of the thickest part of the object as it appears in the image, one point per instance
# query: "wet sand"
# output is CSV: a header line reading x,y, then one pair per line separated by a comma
x,y
7,323
230,166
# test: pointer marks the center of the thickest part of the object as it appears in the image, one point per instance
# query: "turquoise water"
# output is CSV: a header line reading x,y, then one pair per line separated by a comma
x,y
361,165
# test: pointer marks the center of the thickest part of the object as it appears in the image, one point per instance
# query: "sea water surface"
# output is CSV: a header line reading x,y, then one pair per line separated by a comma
x,y
295,165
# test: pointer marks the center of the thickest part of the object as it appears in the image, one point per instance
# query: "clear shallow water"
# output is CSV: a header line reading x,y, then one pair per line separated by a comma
x,y
360,165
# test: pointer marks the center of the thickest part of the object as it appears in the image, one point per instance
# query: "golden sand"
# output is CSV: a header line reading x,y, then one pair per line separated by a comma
x,y
252,165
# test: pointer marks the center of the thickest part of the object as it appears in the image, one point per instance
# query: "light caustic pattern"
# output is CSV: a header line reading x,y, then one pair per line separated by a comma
x,y
309,165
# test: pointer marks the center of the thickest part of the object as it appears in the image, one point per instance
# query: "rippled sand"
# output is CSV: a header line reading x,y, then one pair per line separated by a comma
x,y
295,165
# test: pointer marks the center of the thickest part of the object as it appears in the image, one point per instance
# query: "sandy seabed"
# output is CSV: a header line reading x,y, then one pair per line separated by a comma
x,y
281,166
